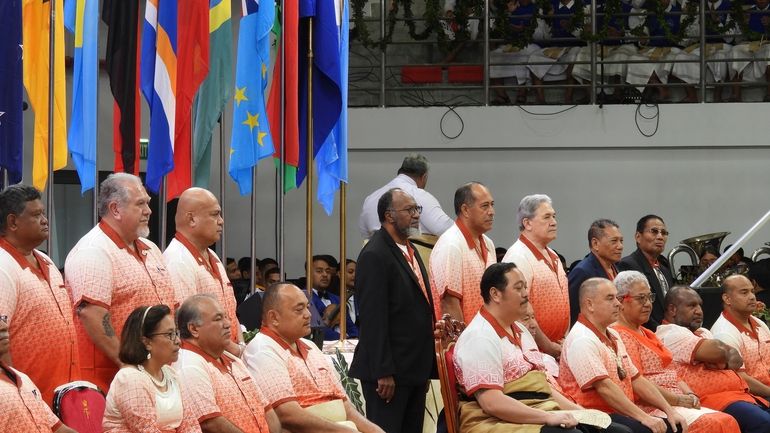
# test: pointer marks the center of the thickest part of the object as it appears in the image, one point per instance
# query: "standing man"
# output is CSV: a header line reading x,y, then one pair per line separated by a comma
x,y
32,295
606,244
193,266
112,270
651,236
394,358
748,335
463,253
542,270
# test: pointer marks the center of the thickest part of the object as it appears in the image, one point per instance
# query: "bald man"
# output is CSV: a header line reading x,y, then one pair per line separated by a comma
x,y
194,267
747,334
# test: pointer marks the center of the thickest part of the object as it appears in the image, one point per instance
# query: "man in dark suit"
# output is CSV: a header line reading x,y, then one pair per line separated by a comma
x,y
651,236
394,358
606,244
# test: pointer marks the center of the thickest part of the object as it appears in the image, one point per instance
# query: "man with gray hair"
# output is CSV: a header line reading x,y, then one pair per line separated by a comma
x,y
606,247
542,270
412,178
112,270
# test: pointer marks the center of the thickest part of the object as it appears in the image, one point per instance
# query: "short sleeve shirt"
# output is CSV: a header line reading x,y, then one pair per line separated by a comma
x,y
753,343
486,356
221,387
40,319
22,408
716,388
304,375
456,267
586,359
193,274
548,286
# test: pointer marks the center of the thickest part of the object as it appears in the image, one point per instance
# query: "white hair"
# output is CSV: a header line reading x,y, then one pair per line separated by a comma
x,y
528,206
626,279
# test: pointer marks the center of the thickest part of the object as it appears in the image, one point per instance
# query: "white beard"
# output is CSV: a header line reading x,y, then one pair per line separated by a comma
x,y
143,232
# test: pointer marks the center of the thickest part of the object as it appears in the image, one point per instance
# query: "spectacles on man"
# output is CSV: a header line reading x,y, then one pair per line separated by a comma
x,y
656,231
642,299
414,210
171,335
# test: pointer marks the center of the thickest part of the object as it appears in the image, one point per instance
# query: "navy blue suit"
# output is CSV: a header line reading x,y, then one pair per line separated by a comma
x,y
331,334
589,267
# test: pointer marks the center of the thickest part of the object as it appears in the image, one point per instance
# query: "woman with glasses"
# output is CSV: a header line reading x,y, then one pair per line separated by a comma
x,y
145,394
653,359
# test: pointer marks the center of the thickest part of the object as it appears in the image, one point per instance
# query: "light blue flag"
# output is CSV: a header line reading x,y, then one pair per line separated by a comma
x,y
81,17
332,158
251,140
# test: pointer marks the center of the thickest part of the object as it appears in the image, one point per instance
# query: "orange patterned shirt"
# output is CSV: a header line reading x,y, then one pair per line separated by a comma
x,y
221,387
192,274
306,375
753,343
40,320
548,286
102,270
22,408
456,267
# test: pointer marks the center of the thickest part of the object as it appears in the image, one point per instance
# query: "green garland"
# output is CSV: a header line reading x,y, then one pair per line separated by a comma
x,y
465,9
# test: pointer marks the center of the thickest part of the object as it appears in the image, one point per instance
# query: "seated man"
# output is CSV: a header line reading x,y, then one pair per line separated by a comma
x,y
218,388
747,334
299,381
706,364
597,372
654,360
322,271
22,408
497,362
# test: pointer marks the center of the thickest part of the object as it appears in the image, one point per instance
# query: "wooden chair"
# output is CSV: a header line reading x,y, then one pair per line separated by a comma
x,y
446,332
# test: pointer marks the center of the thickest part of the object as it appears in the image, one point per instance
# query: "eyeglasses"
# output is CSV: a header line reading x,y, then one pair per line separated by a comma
x,y
171,335
642,299
414,210
655,232
4,318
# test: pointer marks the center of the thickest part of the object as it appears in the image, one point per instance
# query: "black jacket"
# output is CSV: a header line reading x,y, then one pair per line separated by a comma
x,y
636,261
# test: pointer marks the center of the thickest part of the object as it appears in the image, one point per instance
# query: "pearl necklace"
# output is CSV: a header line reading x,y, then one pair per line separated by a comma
x,y
158,383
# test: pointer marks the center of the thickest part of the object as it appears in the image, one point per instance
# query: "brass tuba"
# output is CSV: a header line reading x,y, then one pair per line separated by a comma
x,y
759,251
694,247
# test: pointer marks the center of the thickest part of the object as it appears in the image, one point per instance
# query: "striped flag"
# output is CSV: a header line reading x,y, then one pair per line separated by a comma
x,y
81,17
216,91
251,140
36,24
158,84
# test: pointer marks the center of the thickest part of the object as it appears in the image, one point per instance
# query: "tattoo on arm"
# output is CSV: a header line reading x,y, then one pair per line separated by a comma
x,y
108,331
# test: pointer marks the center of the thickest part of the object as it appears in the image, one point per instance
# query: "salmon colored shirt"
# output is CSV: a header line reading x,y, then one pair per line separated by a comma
x,y
716,389
304,375
40,320
22,408
456,267
753,343
547,284
192,274
102,270
221,387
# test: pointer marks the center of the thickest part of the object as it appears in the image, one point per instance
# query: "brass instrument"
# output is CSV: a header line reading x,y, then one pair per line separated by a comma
x,y
760,251
694,247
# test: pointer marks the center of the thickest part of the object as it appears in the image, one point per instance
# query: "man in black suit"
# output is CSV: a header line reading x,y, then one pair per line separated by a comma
x,y
651,236
394,358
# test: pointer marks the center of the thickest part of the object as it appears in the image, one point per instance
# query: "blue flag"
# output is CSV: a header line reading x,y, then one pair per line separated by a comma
x,y
11,90
327,95
251,140
332,158
81,17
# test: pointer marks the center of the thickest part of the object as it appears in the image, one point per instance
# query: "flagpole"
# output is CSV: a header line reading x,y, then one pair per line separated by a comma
x,y
162,210
222,182
51,72
253,224
309,176
343,264
282,160
5,178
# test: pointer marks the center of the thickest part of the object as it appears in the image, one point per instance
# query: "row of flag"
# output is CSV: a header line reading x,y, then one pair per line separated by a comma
x,y
179,57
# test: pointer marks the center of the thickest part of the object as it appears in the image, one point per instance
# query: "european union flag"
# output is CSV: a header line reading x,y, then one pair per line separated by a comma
x,y
11,90
251,140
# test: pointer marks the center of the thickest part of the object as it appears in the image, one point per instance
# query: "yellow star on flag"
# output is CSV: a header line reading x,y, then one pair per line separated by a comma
x,y
240,95
264,70
260,136
251,120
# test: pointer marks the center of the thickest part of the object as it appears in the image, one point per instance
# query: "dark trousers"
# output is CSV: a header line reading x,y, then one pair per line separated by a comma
x,y
636,426
404,413
751,418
